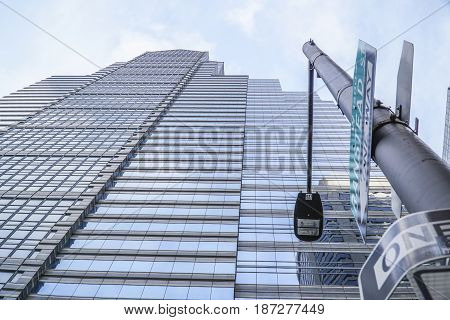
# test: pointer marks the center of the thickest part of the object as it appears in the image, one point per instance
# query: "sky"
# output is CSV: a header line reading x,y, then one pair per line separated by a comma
x,y
260,38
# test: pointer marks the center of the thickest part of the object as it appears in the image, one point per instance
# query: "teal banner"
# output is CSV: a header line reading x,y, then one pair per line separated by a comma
x,y
361,133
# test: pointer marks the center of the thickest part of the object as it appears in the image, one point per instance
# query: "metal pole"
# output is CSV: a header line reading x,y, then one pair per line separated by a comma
x,y
310,125
419,176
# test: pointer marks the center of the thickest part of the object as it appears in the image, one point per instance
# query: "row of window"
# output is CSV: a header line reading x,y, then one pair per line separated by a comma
x,y
166,211
156,226
182,175
152,245
177,185
111,291
174,197
145,266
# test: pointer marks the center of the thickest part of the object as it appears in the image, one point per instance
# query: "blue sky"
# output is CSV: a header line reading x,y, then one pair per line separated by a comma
x,y
259,38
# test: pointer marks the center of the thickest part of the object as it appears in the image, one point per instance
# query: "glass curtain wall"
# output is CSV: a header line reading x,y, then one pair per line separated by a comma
x,y
167,227
272,263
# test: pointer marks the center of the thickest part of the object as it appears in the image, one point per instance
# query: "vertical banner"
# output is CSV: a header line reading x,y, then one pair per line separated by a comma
x,y
361,133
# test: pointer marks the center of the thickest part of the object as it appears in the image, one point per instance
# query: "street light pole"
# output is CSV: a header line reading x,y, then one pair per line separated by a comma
x,y
310,126
419,176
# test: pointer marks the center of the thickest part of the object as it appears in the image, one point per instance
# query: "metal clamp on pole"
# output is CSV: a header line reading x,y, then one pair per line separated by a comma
x,y
394,117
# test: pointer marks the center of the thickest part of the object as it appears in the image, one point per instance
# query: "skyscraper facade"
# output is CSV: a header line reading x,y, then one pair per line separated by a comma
x,y
446,151
164,178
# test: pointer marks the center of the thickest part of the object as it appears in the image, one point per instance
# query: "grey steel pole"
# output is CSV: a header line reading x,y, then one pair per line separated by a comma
x,y
310,125
419,176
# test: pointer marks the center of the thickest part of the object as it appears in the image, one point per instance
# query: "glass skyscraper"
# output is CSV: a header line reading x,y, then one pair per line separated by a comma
x,y
446,151
164,178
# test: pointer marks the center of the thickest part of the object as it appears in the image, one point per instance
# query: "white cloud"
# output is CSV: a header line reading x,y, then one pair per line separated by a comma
x,y
244,16
336,27
268,44
103,36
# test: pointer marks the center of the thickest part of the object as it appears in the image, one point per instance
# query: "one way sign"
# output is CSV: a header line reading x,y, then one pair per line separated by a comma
x,y
411,241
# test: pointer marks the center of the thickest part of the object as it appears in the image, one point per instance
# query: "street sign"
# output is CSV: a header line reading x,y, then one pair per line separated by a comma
x,y
396,204
404,81
403,104
361,133
409,242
